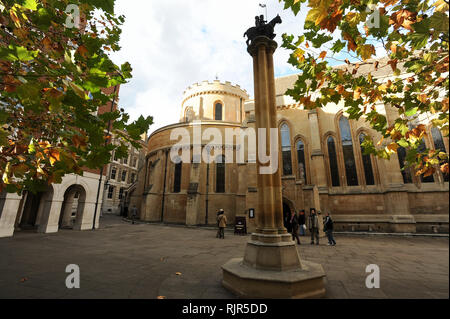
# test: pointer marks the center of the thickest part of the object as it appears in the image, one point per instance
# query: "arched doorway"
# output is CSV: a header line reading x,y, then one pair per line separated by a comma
x,y
36,205
72,207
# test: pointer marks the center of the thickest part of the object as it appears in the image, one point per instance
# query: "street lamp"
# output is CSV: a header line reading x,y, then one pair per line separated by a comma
x,y
106,142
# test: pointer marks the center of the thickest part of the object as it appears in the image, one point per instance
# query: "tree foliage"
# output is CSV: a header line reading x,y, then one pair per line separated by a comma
x,y
412,34
53,75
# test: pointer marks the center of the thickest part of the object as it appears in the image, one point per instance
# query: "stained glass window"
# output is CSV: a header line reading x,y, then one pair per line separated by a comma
x,y
332,159
286,149
347,150
301,161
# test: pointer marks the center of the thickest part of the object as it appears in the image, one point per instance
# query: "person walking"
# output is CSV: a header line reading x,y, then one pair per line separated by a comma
x,y
134,213
328,229
222,222
301,222
294,226
313,226
217,219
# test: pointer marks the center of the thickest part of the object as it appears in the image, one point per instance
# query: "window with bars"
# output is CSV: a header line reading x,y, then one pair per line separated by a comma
x,y
347,150
367,162
286,149
332,159
218,111
220,174
177,176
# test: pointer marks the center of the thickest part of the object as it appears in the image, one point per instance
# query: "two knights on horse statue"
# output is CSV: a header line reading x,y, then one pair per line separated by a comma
x,y
262,28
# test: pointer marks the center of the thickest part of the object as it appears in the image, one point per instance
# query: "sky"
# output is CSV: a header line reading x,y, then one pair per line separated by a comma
x,y
172,44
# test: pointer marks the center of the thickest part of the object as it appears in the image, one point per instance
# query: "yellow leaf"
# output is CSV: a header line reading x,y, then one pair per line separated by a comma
x,y
441,6
161,297
422,98
392,148
366,51
178,273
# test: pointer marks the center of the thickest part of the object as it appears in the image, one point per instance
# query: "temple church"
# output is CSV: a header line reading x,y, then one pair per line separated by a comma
x,y
320,157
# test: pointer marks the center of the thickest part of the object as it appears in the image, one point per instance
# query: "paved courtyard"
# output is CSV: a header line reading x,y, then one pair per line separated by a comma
x,y
146,261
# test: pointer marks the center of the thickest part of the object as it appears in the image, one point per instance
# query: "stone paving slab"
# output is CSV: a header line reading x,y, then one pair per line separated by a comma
x,y
122,260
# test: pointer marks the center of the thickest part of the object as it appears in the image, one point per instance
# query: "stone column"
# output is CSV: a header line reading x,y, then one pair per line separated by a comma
x,y
9,206
271,266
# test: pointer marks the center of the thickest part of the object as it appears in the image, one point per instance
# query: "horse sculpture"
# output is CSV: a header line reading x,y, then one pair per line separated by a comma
x,y
262,29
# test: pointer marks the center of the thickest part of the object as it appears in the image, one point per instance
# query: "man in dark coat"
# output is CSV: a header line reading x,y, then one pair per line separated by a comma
x,y
328,229
293,221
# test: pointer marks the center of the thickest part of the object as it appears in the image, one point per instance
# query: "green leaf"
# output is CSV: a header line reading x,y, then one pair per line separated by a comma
x,y
411,112
29,4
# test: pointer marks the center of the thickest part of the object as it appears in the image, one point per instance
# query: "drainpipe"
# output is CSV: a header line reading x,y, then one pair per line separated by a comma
x,y
164,188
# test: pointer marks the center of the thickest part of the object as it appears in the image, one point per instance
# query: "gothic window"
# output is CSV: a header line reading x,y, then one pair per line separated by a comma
x,y
113,173
332,159
286,149
406,172
367,163
218,111
220,174
347,150
301,161
439,146
177,177
424,179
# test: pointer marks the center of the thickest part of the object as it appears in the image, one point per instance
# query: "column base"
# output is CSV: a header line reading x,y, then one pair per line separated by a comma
x,y
248,282
271,268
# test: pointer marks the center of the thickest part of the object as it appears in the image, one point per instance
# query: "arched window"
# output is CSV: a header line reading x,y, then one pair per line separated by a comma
x,y
429,178
439,146
177,176
367,162
347,150
220,174
218,111
301,161
332,159
406,171
286,149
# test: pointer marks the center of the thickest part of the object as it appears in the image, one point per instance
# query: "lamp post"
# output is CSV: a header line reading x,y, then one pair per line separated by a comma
x,y
103,166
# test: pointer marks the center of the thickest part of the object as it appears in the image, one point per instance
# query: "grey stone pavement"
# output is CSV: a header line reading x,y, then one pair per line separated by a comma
x,y
122,260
